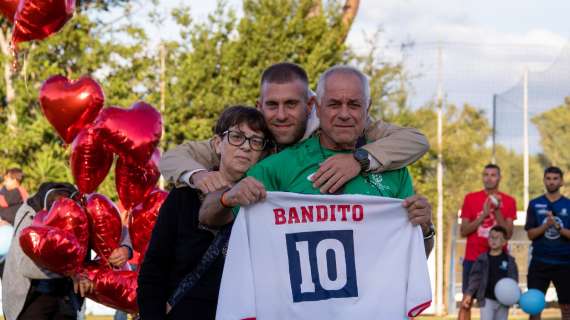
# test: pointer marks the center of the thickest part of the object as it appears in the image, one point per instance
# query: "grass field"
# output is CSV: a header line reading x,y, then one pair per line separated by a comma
x,y
549,314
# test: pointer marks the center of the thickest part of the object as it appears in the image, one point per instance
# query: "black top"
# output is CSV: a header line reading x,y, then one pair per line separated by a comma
x,y
175,248
498,267
11,202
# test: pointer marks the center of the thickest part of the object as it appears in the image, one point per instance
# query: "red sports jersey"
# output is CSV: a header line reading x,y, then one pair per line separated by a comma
x,y
477,242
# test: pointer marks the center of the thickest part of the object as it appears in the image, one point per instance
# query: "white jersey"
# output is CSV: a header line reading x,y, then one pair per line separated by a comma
x,y
324,257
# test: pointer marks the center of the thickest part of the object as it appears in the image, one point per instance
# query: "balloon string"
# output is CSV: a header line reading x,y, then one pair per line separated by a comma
x,y
105,259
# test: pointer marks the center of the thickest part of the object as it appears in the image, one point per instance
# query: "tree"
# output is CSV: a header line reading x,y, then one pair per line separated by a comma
x,y
220,61
216,64
80,48
554,128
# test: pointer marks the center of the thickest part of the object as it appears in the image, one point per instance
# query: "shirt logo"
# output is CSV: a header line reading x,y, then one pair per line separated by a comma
x,y
375,179
551,233
563,212
504,265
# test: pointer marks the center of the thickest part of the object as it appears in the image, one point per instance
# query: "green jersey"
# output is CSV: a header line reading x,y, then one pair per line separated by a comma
x,y
290,170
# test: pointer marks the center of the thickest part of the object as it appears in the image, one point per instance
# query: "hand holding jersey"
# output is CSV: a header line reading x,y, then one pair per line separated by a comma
x,y
324,257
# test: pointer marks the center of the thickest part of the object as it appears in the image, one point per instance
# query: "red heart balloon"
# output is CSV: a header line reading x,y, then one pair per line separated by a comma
x,y
52,248
131,133
90,268
66,214
90,160
116,289
39,218
104,223
142,219
38,19
70,105
135,181
8,9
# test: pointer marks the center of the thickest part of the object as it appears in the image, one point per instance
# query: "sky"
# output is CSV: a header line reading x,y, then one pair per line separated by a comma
x,y
486,45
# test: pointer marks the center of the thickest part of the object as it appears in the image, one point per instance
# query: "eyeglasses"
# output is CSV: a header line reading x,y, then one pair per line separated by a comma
x,y
236,138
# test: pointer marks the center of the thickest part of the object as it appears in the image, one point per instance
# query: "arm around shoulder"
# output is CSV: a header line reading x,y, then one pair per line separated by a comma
x,y
189,156
394,147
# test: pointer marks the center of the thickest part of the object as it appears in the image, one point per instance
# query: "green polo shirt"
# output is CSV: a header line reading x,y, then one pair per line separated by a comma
x,y
289,171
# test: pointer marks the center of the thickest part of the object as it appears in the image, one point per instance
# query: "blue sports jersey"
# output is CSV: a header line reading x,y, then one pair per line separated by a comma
x,y
551,247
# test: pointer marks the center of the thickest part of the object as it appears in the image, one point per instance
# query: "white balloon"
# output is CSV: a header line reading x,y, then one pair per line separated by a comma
x,y
6,233
507,291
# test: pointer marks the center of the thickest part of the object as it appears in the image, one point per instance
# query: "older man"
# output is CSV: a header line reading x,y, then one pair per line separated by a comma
x,y
286,102
343,100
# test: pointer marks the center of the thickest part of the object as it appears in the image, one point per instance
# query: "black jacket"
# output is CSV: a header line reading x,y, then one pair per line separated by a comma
x,y
176,246
10,203
479,276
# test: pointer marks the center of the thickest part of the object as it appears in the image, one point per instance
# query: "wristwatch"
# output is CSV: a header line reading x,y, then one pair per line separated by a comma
x,y
431,232
361,155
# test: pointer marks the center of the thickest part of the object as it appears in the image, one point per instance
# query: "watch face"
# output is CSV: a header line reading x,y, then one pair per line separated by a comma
x,y
361,154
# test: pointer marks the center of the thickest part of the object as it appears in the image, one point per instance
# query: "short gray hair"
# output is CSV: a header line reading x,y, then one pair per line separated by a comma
x,y
346,70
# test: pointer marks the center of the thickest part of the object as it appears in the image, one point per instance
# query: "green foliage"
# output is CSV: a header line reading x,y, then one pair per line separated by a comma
x,y
554,128
78,49
219,61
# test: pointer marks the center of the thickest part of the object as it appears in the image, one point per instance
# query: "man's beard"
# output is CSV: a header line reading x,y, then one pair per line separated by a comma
x,y
491,186
552,189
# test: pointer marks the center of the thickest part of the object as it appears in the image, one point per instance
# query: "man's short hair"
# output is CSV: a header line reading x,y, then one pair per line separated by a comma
x,y
493,166
501,229
321,86
554,170
284,72
16,174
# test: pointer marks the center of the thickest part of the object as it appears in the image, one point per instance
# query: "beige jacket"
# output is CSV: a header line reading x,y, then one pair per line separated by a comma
x,y
394,147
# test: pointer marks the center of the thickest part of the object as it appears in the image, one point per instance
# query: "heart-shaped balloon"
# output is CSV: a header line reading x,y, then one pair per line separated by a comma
x,y
90,160
70,105
66,214
116,289
89,269
8,9
52,248
39,218
135,181
38,19
142,219
104,223
131,133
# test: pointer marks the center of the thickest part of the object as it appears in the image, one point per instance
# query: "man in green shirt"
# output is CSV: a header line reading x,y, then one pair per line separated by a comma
x,y
343,100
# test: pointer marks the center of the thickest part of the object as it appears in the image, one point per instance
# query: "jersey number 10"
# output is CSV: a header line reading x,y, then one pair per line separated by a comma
x,y
321,265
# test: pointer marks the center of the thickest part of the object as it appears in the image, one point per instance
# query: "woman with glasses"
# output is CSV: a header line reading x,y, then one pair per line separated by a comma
x,y
182,269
